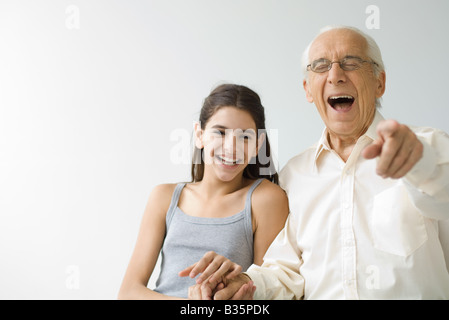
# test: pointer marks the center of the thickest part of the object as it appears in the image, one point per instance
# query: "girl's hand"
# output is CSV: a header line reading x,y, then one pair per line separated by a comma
x,y
206,291
212,266
203,291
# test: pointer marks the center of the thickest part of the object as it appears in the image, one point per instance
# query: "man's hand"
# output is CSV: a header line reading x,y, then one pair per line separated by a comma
x,y
397,147
238,288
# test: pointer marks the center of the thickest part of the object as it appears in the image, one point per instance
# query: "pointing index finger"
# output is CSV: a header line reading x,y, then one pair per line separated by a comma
x,y
387,128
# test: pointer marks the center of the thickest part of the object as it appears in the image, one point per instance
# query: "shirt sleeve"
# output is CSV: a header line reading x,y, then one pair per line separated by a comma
x,y
278,277
428,181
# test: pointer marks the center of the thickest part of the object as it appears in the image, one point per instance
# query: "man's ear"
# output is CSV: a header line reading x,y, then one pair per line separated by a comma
x,y
198,136
306,86
381,81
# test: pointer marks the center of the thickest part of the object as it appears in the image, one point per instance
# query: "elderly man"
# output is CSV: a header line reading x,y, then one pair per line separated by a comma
x,y
367,201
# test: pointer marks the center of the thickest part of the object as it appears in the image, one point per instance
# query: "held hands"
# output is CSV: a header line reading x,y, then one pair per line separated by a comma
x,y
238,288
213,267
220,279
397,147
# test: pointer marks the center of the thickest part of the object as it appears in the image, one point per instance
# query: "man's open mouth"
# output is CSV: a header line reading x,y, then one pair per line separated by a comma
x,y
340,102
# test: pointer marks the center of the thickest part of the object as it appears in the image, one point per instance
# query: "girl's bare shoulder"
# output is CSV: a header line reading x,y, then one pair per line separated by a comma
x,y
268,197
267,191
160,198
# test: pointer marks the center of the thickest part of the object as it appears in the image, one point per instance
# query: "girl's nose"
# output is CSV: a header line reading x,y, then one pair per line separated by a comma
x,y
229,142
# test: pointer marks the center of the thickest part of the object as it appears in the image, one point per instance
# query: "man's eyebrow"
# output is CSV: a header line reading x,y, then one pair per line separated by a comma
x,y
352,57
320,59
345,57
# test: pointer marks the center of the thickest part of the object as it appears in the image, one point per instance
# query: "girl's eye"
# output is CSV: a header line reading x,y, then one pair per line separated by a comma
x,y
218,132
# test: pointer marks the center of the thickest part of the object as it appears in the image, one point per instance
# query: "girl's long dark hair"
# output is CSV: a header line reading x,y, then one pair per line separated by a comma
x,y
243,98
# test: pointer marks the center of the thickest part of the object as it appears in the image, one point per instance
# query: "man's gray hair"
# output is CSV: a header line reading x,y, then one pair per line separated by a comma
x,y
373,52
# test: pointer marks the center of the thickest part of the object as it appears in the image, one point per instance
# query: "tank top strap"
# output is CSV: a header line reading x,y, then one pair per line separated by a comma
x,y
248,222
173,204
250,192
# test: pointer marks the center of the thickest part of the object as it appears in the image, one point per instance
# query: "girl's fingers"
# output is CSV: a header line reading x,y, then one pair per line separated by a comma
x,y
216,268
213,267
203,291
206,292
228,270
186,272
199,266
194,293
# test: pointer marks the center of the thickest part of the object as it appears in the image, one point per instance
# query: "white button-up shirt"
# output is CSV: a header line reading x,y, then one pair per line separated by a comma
x,y
354,235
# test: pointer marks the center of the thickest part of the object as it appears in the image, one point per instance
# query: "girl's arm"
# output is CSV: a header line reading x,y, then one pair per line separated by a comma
x,y
148,245
269,213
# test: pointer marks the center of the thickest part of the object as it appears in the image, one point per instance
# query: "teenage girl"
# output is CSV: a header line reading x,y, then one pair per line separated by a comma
x,y
233,207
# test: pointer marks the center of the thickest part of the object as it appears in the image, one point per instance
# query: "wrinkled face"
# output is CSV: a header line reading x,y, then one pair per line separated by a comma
x,y
344,99
229,141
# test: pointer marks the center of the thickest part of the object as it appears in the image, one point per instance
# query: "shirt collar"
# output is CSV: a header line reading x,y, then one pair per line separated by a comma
x,y
371,132
323,143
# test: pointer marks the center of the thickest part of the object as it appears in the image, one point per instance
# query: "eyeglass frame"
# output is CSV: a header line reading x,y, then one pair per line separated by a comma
x,y
331,63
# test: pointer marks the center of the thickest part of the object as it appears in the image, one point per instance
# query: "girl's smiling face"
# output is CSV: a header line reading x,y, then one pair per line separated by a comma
x,y
229,140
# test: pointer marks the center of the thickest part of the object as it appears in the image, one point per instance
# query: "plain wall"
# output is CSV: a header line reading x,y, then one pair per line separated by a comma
x,y
97,100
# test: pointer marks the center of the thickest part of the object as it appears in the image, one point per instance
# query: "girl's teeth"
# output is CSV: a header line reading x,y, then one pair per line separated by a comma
x,y
228,161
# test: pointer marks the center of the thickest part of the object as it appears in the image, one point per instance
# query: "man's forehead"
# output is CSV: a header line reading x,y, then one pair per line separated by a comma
x,y
338,42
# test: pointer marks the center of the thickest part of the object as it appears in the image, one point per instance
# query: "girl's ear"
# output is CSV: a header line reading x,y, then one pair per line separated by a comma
x,y
198,136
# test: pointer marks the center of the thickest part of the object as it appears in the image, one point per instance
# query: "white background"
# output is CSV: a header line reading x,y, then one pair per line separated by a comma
x,y
93,92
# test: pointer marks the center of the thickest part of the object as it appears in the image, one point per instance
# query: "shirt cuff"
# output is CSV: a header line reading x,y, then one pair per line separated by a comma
x,y
258,282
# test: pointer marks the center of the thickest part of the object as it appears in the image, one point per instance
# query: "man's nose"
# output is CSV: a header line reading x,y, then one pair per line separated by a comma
x,y
336,74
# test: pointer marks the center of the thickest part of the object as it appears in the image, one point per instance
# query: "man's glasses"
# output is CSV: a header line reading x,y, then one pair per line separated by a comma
x,y
347,64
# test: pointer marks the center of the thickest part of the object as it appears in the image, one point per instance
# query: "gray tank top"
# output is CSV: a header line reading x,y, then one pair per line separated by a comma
x,y
188,238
